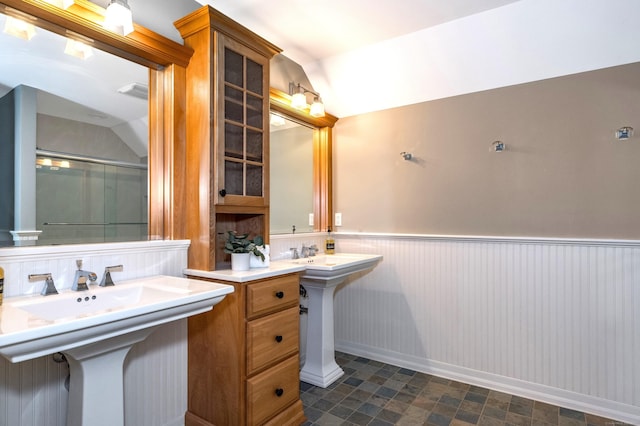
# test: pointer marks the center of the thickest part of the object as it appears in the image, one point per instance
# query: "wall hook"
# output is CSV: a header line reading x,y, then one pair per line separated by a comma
x,y
498,146
406,155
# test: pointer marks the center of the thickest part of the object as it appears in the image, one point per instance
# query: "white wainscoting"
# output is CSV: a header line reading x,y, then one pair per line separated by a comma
x,y
550,319
32,393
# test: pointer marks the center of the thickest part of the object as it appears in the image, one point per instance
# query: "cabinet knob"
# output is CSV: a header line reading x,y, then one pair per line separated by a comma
x,y
278,339
279,392
280,294
222,192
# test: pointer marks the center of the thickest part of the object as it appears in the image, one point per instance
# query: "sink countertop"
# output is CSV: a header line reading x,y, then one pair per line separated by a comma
x,y
27,325
275,268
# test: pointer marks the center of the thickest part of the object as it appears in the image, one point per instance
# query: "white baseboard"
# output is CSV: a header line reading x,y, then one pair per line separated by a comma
x,y
575,401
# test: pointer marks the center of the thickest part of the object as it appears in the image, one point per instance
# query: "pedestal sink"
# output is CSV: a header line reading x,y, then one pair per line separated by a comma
x,y
95,330
321,277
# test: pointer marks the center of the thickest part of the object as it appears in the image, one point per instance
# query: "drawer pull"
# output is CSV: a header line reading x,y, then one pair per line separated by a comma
x,y
280,294
279,392
278,339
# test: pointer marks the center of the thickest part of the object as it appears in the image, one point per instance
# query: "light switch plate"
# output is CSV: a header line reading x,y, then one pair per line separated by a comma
x,y
310,219
338,219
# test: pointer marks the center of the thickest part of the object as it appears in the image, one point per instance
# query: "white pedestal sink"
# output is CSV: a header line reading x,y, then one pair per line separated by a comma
x,y
321,277
95,330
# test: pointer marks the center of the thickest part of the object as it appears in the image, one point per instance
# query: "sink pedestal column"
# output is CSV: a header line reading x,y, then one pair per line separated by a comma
x,y
320,367
96,389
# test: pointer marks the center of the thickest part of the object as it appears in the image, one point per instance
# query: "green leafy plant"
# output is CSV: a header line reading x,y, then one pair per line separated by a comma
x,y
240,243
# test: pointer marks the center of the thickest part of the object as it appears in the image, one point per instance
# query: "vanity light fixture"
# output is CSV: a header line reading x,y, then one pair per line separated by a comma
x,y
299,99
19,28
78,49
118,17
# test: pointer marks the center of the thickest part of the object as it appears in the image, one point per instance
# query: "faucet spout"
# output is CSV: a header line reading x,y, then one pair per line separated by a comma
x,y
80,280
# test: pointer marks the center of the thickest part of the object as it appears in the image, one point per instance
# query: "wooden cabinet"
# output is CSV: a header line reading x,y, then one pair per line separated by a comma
x,y
244,363
227,134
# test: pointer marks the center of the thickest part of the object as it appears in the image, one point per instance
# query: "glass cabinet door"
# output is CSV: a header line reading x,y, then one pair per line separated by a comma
x,y
245,136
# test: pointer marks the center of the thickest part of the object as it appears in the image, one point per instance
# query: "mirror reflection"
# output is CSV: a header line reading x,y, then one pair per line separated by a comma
x,y
73,142
291,176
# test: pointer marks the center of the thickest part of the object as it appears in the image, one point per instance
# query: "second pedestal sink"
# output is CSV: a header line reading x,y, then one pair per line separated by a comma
x,y
95,330
321,277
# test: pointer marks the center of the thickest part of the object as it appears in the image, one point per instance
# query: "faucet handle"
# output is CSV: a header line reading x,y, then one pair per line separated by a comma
x,y
294,253
49,287
106,278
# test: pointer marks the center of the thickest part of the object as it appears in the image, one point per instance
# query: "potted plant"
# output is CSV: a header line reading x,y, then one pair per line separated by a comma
x,y
241,247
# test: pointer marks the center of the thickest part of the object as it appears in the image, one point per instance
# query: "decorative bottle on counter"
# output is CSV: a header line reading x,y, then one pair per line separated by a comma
x,y
330,244
1,284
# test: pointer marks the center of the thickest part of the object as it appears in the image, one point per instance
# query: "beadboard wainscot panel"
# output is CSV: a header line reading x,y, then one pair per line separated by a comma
x,y
33,393
555,320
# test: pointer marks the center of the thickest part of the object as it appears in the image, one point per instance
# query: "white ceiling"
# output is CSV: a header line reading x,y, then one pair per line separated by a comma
x,y
364,56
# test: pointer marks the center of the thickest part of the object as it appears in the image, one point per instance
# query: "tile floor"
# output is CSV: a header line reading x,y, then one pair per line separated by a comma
x,y
377,394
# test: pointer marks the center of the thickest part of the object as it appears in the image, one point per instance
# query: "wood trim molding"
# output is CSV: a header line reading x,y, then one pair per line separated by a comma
x,y
85,19
167,61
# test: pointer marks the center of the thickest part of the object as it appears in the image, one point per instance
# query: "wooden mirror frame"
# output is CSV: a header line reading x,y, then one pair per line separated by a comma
x,y
322,170
167,61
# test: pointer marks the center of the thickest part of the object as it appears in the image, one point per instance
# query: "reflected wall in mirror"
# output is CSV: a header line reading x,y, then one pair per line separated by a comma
x,y
291,176
77,129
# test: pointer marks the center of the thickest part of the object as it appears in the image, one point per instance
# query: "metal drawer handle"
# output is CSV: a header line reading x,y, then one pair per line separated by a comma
x,y
278,339
280,294
279,392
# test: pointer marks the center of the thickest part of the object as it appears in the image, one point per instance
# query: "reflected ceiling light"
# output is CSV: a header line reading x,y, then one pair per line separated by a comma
x,y
19,28
137,90
277,120
118,17
78,49
299,99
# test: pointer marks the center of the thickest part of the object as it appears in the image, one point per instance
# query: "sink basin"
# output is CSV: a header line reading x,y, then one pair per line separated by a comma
x,y
337,265
95,330
321,277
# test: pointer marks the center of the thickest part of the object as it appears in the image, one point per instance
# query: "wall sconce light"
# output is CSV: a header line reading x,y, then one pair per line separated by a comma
x,y
118,17
624,133
498,146
78,49
299,100
19,28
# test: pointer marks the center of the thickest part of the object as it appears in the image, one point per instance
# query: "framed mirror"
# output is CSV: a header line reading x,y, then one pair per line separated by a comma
x,y
308,138
147,59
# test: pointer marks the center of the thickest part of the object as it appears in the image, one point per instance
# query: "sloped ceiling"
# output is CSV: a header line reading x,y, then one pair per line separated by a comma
x,y
364,56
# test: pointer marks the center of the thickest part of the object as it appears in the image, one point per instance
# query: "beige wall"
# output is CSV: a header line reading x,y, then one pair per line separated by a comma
x,y
563,174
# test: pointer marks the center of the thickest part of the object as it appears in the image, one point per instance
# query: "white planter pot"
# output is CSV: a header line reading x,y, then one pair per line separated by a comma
x,y
256,261
240,261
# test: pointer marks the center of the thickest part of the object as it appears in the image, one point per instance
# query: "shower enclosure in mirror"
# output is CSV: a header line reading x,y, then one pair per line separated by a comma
x,y
90,114
89,200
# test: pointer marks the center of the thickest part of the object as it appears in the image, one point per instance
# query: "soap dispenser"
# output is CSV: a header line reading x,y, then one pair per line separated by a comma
x,y
330,244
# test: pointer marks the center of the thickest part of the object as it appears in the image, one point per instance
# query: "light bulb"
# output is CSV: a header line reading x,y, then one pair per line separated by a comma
x,y
118,17
317,108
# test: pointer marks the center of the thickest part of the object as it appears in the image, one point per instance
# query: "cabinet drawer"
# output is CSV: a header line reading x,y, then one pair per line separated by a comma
x,y
272,338
272,295
273,390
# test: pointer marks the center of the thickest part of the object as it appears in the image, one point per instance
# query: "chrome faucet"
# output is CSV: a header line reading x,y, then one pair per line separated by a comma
x,y
294,253
106,278
304,252
49,287
80,280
